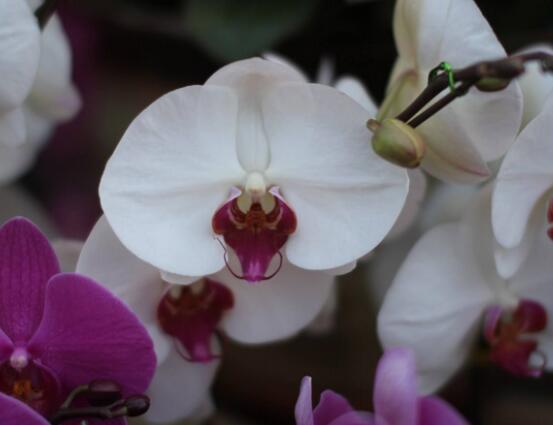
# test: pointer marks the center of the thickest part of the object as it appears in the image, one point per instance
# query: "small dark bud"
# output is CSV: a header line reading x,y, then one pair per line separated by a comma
x,y
137,405
103,392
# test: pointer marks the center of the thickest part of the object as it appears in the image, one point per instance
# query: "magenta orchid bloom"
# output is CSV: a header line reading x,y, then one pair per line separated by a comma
x,y
59,330
396,401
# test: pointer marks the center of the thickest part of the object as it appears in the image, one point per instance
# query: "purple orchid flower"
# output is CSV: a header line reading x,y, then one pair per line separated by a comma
x,y
396,401
59,331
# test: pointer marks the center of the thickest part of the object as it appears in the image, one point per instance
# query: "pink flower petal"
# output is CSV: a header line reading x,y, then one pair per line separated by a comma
x,y
395,388
13,412
330,407
27,261
304,405
87,334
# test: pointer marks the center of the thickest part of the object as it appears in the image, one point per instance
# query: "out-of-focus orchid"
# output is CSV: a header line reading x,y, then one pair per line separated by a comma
x,y
184,320
522,199
14,412
396,400
474,130
536,84
448,292
262,160
59,331
36,90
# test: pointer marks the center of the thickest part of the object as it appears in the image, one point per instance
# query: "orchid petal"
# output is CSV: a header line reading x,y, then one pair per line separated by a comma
x,y
27,261
331,406
13,412
345,197
434,411
20,47
277,308
179,388
523,179
304,406
395,388
435,304
356,418
53,94
536,85
87,333
275,57
15,160
12,128
355,89
173,169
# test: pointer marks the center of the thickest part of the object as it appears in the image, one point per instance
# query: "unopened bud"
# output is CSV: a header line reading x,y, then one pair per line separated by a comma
x,y
491,84
137,405
397,142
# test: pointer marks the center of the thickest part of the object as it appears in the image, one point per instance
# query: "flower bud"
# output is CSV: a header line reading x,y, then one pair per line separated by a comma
x,y
397,142
491,84
103,392
137,405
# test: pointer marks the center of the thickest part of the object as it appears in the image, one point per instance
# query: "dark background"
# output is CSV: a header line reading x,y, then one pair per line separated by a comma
x,y
127,53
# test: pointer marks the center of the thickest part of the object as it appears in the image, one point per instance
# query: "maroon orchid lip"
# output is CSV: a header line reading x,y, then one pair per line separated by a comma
x,y
191,316
507,334
256,230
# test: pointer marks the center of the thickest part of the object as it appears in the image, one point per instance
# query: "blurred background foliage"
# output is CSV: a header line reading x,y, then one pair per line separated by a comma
x,y
127,53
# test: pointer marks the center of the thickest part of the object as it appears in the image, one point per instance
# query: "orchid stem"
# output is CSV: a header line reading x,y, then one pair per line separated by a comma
x,y
45,12
504,69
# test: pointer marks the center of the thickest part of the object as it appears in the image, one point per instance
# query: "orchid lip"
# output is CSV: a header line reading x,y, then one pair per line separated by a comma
x,y
256,228
191,315
507,332
550,219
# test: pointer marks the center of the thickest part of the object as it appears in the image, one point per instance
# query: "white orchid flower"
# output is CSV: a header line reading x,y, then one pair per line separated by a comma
x,y
473,130
36,90
524,189
256,160
184,320
448,292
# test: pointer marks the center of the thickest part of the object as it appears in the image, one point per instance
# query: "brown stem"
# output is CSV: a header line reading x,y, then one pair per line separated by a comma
x,y
505,69
45,12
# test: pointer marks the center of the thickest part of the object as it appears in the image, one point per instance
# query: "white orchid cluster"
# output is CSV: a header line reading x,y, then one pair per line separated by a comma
x,y
230,207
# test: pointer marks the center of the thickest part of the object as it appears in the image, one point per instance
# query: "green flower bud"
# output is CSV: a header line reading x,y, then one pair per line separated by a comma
x,y
397,142
491,84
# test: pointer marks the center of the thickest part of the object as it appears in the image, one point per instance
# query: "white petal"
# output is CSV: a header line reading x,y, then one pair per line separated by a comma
x,y
413,203
536,84
20,47
345,197
275,57
277,308
524,178
14,161
106,260
12,128
173,168
39,127
179,388
435,305
177,279
325,73
339,271
53,93
355,89
67,251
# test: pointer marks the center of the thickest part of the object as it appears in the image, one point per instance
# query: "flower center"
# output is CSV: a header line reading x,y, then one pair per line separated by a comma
x,y
507,332
255,226
191,314
31,385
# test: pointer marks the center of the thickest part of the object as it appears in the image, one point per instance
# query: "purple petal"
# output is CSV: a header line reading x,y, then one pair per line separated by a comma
x,y
434,411
356,418
330,407
531,315
6,347
13,412
27,261
304,406
87,334
395,390
256,235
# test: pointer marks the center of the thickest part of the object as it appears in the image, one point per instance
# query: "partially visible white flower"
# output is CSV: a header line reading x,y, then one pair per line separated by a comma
x,y
184,320
36,91
536,84
448,292
474,130
523,193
